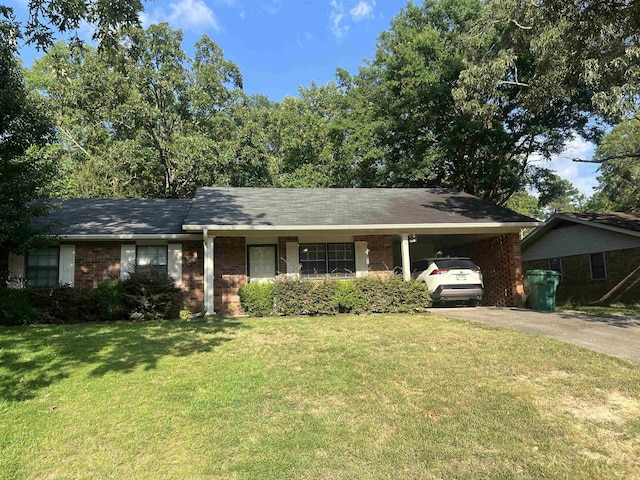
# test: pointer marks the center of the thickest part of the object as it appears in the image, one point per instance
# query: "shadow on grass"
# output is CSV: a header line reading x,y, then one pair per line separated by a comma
x,y
36,357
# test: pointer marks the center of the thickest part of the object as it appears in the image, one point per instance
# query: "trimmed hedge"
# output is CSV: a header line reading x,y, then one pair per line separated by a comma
x,y
329,297
257,299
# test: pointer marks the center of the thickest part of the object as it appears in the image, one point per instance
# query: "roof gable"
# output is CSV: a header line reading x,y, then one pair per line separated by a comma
x,y
623,223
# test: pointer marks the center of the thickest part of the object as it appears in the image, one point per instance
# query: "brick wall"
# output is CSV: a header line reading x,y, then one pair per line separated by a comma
x,y
578,287
282,253
96,262
230,273
193,273
380,253
500,260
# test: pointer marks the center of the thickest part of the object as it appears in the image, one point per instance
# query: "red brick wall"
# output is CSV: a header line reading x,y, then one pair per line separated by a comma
x,y
621,285
96,262
193,273
230,273
380,253
500,260
282,253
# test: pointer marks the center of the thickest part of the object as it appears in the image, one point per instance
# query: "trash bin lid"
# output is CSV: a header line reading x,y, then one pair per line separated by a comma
x,y
535,276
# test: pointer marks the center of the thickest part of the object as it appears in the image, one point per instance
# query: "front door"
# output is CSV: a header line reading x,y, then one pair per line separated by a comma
x,y
262,263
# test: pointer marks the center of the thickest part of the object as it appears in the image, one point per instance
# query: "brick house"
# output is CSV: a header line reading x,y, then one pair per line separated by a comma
x,y
597,255
226,237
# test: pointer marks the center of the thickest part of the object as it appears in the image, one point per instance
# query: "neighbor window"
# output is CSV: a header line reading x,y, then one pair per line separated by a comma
x,y
332,259
152,256
42,267
598,266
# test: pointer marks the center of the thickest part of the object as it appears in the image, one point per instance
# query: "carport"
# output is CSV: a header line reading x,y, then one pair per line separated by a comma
x,y
495,249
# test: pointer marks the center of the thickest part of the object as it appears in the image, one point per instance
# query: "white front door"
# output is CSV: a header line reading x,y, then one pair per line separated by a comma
x,y
262,263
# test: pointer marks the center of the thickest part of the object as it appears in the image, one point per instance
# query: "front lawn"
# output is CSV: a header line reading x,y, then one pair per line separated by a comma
x,y
329,397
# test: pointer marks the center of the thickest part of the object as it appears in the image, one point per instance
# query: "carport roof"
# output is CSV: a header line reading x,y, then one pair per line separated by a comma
x,y
215,207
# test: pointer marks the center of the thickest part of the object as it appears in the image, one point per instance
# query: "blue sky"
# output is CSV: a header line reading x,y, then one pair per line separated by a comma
x,y
280,45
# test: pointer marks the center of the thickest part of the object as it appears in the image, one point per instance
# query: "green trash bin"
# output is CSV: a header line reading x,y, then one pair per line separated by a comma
x,y
543,289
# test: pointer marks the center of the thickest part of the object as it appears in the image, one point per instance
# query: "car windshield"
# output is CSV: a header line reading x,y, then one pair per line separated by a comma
x,y
451,263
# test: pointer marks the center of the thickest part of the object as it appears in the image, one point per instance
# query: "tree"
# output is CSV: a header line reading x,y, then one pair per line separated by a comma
x,y
142,120
619,180
25,175
422,135
572,65
66,16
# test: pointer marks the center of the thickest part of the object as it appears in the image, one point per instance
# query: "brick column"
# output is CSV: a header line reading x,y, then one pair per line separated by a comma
x,y
193,274
380,254
500,260
230,273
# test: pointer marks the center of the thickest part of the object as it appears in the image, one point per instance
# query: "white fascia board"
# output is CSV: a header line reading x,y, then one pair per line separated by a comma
x,y
133,236
486,227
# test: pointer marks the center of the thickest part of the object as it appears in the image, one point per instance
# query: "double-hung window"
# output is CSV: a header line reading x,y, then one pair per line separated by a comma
x,y
42,267
327,259
152,256
598,266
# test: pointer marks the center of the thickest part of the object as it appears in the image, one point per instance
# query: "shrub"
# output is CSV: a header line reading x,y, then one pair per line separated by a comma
x,y
16,307
110,300
149,295
257,299
63,304
362,295
349,297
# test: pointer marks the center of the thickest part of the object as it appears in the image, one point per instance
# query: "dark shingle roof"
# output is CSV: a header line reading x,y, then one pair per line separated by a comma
x,y
627,221
341,206
117,217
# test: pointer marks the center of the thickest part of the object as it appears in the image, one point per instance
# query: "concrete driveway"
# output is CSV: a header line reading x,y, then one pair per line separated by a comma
x,y
619,336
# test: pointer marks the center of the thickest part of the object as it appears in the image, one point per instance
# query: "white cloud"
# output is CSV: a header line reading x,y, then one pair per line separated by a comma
x,y
362,10
183,14
337,16
581,175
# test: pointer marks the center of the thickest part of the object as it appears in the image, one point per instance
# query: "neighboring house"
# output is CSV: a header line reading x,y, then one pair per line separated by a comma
x,y
225,237
597,255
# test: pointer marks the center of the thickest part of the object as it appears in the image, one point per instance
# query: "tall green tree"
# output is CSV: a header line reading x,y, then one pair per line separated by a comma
x,y
142,120
422,136
25,174
618,186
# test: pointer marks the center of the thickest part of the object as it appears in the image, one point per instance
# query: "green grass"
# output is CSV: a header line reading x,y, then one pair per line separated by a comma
x,y
615,310
320,398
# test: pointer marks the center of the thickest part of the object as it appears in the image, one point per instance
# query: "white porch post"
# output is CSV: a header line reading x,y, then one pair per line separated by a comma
x,y
406,259
208,273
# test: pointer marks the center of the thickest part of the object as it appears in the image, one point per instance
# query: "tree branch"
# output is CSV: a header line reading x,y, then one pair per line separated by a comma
x,y
606,159
515,22
519,84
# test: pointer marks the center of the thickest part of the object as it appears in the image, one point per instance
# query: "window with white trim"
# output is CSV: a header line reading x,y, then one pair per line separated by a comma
x,y
42,267
327,259
597,264
152,256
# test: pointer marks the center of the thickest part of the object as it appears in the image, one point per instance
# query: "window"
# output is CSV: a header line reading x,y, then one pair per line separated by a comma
x,y
333,259
42,267
152,256
556,265
598,266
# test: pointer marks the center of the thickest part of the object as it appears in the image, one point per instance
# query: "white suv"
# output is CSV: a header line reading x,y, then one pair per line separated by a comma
x,y
450,279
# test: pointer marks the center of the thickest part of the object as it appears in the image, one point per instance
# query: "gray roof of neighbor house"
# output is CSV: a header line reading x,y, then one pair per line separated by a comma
x,y
117,217
286,207
626,221
620,222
